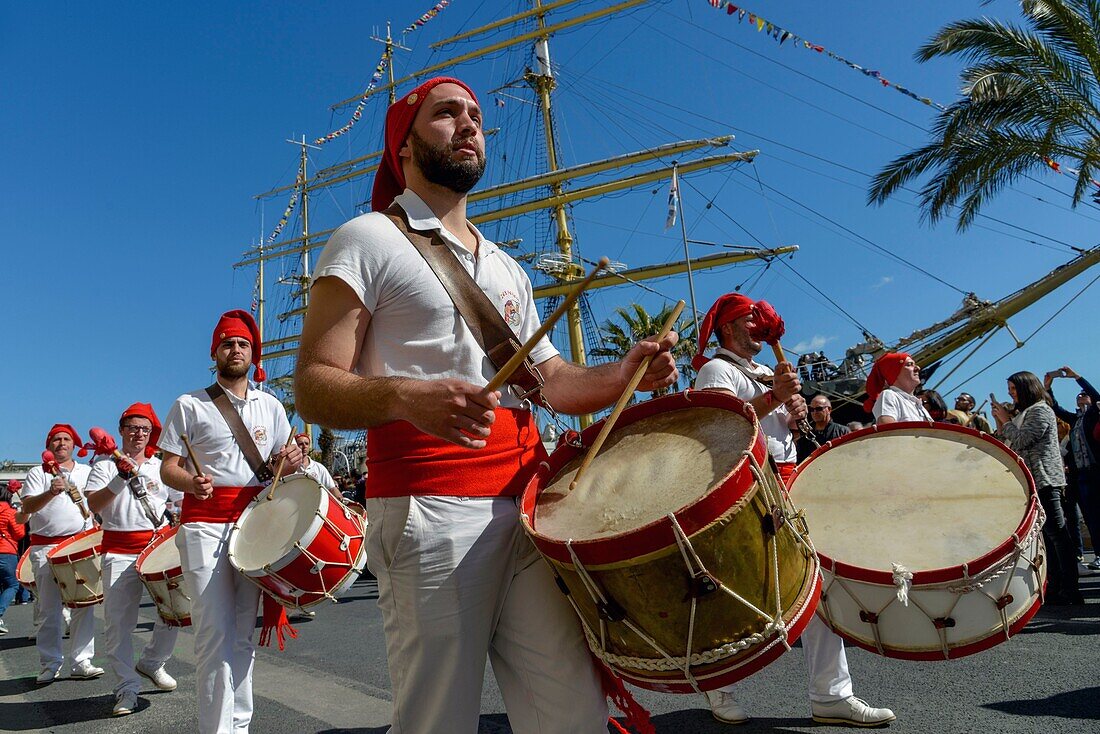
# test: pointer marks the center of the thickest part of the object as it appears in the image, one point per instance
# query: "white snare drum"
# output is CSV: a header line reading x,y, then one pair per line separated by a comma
x,y
76,567
24,574
158,567
929,539
303,546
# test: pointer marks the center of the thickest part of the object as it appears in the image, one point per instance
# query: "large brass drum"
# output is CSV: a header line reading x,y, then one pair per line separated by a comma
x,y
678,549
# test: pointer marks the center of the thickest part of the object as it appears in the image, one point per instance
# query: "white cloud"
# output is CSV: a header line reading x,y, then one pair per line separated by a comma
x,y
885,280
816,342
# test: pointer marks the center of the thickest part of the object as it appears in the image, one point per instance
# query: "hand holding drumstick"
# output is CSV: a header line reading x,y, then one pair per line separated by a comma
x,y
202,486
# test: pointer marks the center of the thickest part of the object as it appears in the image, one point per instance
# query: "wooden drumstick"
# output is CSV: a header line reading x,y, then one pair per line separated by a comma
x,y
517,359
609,422
279,471
804,426
191,456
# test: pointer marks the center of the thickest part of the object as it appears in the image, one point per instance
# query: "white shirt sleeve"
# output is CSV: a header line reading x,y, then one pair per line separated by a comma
x,y
355,254
531,322
887,404
175,425
718,373
104,474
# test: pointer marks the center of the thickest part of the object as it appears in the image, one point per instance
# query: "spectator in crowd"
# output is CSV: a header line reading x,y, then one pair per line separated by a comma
x,y
1083,456
854,426
1033,434
10,534
964,410
891,387
23,595
823,426
936,406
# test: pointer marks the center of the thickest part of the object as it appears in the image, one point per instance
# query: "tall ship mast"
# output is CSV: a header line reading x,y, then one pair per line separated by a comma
x,y
538,189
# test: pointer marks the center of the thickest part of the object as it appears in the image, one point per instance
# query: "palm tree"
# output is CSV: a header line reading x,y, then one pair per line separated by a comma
x,y
1030,100
637,324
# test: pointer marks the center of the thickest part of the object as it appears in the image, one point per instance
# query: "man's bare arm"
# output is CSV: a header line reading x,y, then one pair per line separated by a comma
x,y
328,392
36,502
176,475
572,388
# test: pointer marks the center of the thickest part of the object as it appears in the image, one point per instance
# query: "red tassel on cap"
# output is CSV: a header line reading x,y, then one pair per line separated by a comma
x,y
768,327
275,620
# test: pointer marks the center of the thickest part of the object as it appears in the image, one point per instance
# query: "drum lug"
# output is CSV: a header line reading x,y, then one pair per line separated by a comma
x,y
1004,601
943,622
868,617
774,520
703,584
561,584
611,611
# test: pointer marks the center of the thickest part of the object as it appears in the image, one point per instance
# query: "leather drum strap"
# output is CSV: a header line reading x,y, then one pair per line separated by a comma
x,y
240,433
489,328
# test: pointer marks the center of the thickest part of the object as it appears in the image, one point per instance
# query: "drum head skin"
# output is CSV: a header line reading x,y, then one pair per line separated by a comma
x,y
926,498
275,525
82,545
645,470
161,556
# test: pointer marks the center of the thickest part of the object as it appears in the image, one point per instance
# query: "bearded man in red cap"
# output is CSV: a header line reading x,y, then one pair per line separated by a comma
x,y
53,518
890,387
738,322
384,348
129,497
223,601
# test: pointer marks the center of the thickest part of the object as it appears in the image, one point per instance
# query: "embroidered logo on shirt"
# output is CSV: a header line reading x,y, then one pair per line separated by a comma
x,y
259,435
510,308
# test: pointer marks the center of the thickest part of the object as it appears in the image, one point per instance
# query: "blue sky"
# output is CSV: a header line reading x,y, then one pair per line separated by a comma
x,y
135,136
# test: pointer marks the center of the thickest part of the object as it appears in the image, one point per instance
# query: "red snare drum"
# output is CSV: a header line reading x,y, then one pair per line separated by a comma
x,y
24,573
302,546
929,539
680,551
76,567
158,567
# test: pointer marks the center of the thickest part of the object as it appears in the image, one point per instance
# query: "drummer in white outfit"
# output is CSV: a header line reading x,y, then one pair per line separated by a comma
x,y
128,526
314,469
223,601
53,518
773,397
890,387
384,348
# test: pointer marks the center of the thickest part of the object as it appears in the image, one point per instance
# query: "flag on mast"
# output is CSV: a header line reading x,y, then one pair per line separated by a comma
x,y
673,201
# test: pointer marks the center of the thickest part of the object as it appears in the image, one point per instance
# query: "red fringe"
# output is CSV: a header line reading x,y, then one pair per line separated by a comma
x,y
275,620
637,718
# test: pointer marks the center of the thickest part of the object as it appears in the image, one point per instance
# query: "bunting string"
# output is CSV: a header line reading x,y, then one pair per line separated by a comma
x,y
782,35
285,218
379,71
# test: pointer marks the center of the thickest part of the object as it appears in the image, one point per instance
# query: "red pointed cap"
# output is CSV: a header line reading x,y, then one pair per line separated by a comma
x,y
729,307
882,375
390,179
66,428
238,323
145,410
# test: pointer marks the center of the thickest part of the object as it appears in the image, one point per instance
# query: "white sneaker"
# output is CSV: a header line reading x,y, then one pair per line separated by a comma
x,y
159,677
1095,565
725,708
84,670
125,703
48,675
850,711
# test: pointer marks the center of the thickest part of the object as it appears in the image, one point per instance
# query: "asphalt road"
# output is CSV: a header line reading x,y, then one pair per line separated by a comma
x,y
333,679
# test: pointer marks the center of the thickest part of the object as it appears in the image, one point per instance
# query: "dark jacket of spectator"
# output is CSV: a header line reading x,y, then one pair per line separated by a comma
x,y
804,447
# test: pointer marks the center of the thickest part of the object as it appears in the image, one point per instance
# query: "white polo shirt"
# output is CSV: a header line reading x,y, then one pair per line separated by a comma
x,y
124,512
899,405
718,373
415,330
194,415
60,516
319,473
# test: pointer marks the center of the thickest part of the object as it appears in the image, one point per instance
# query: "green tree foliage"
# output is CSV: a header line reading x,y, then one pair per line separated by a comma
x,y
635,324
1030,97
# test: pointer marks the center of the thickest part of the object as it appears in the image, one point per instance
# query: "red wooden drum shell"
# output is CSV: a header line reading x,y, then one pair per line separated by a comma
x,y
76,566
160,570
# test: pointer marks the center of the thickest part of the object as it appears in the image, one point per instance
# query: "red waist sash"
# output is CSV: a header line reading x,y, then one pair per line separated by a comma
x,y
127,542
225,505
37,539
402,460
786,469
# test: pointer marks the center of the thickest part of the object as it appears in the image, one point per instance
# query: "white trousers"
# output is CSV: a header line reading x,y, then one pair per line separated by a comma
x,y
223,617
122,590
826,662
51,612
458,580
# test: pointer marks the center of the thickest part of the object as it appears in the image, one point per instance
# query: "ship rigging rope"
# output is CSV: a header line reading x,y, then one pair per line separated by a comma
x,y
1026,339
